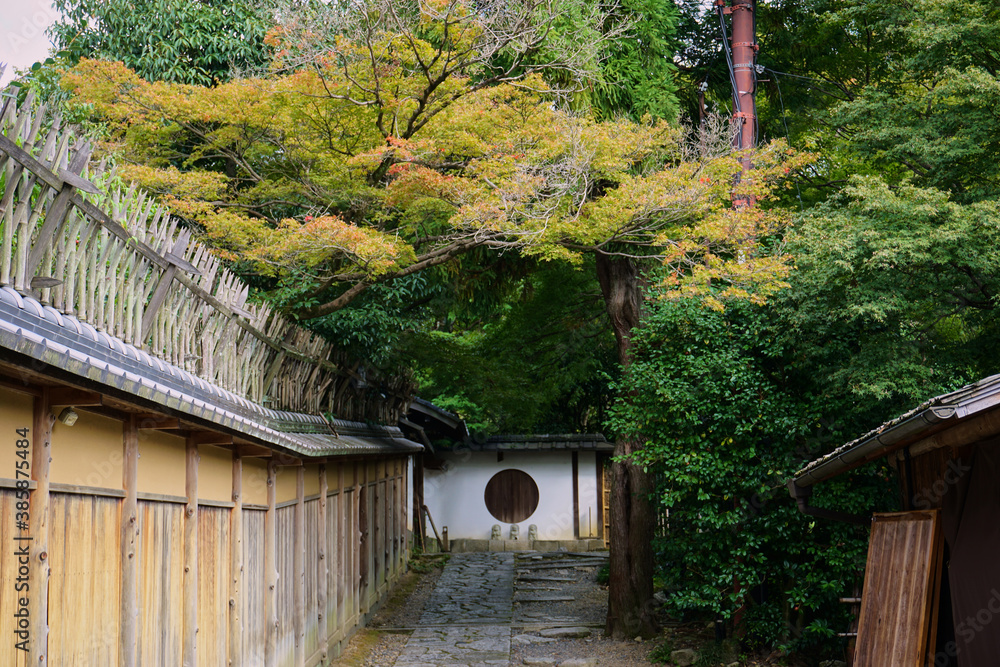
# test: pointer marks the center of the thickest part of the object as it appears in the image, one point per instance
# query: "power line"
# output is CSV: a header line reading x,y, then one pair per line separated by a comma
x,y
784,121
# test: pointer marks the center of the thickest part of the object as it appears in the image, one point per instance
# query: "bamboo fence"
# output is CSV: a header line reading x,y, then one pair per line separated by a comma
x,y
110,255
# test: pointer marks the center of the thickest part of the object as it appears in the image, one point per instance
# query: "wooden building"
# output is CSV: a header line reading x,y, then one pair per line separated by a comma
x,y
932,580
170,491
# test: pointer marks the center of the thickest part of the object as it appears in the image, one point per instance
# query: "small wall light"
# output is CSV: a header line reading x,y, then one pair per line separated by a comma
x,y
68,416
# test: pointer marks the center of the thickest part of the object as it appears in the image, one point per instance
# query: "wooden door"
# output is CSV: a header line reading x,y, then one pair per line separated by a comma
x,y
899,603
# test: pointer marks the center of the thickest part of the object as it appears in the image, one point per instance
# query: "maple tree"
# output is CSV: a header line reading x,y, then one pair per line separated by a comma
x,y
410,136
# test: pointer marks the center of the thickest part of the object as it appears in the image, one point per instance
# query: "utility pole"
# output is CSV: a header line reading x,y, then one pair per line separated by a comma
x,y
741,57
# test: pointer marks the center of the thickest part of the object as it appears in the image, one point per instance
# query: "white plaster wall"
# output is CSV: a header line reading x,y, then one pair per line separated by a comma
x,y
588,495
456,497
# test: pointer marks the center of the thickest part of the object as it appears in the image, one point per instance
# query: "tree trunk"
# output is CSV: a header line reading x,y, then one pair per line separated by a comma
x,y
630,596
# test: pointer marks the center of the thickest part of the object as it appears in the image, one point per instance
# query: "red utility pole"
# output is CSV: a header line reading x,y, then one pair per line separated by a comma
x,y
741,60
741,57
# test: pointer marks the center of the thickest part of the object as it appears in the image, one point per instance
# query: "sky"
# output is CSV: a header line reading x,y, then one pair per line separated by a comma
x,y
22,37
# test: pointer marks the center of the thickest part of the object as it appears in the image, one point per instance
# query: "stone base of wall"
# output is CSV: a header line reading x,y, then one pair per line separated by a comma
x,y
470,545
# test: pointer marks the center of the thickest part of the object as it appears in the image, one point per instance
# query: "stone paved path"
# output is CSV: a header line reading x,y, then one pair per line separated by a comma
x,y
466,622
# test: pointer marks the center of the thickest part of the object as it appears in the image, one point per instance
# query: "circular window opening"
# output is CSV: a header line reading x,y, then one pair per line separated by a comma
x,y
511,496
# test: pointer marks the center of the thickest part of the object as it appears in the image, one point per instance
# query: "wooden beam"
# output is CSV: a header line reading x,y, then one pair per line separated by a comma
x,y
163,286
283,459
236,566
153,422
129,593
211,438
59,208
36,539
190,612
271,570
299,567
253,451
324,567
22,387
78,398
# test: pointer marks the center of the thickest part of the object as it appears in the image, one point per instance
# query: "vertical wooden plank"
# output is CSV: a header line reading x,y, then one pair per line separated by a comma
x,y
236,566
271,569
38,530
897,606
299,565
129,595
353,582
364,541
85,561
340,538
418,500
213,585
575,464
391,508
323,567
161,531
190,657
599,468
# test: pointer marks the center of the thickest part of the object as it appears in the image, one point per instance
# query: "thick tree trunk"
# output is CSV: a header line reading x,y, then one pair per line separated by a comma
x,y
630,597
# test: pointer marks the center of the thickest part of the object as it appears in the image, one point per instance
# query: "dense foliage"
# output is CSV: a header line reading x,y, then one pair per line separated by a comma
x,y
201,42
729,415
892,301
439,183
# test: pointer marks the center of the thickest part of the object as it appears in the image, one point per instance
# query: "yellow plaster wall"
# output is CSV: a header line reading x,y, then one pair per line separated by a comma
x,y
215,473
286,483
162,463
255,481
88,453
16,411
312,480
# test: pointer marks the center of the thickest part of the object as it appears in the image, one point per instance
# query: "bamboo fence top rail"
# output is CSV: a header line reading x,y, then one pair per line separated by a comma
x,y
61,341
75,241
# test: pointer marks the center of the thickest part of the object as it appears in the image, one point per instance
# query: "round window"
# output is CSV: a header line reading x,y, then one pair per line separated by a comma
x,y
511,496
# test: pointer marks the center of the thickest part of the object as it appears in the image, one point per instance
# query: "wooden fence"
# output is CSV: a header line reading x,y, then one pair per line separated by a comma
x,y
74,238
280,575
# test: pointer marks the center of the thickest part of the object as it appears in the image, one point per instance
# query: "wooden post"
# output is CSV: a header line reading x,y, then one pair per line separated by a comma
x,y
575,465
364,540
129,596
340,539
418,500
299,566
393,504
271,570
324,567
236,566
190,655
378,529
37,536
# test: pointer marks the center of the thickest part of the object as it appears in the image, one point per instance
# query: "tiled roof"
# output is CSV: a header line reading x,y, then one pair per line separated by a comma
x,y
952,406
42,333
568,442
